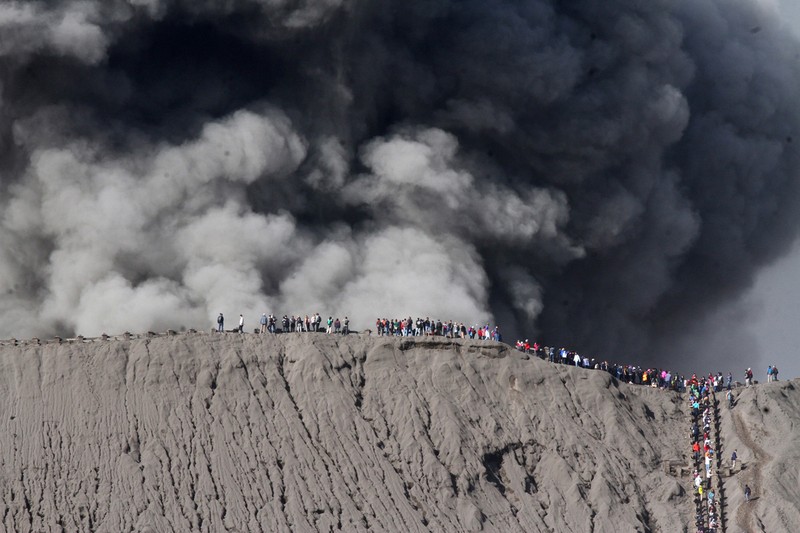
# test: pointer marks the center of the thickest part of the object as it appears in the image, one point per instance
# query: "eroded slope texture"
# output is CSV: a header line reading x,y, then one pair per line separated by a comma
x,y
763,429
311,432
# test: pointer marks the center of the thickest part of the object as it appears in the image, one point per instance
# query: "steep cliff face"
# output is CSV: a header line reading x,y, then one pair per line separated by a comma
x,y
310,432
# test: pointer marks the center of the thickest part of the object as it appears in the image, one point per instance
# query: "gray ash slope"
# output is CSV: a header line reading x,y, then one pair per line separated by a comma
x,y
763,429
319,433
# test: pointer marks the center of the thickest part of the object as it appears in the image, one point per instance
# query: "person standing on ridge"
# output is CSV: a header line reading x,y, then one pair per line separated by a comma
x,y
264,323
241,324
220,323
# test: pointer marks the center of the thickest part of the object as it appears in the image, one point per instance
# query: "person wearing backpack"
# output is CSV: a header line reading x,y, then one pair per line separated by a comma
x,y
774,373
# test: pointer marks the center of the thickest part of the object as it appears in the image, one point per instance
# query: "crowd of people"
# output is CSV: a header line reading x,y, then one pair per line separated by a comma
x,y
405,327
410,327
652,377
291,324
703,410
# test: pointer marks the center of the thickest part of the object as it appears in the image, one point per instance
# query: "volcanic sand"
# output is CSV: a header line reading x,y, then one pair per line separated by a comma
x,y
314,432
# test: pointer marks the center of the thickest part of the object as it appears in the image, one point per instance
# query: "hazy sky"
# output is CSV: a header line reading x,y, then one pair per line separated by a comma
x,y
774,301
791,11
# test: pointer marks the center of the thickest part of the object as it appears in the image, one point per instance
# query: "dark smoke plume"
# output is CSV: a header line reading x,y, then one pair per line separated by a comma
x,y
604,175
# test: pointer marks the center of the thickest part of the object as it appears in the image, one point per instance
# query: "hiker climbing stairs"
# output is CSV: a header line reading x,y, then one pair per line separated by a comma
x,y
705,446
719,489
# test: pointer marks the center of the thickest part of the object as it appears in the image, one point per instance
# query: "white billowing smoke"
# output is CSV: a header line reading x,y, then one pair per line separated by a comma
x,y
416,179
396,272
164,237
159,238
408,273
29,28
600,175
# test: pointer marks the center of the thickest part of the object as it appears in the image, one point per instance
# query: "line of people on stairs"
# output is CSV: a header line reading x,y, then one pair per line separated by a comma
x,y
703,409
